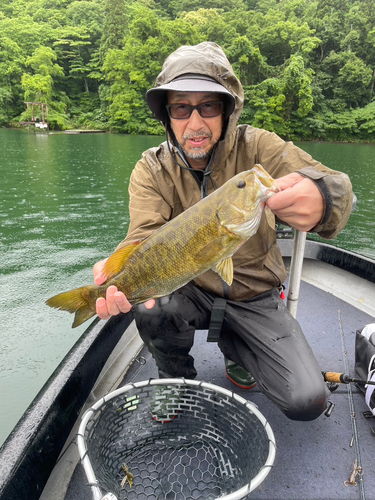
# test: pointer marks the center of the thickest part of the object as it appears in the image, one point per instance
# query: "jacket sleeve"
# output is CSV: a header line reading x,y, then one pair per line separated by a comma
x,y
281,158
147,208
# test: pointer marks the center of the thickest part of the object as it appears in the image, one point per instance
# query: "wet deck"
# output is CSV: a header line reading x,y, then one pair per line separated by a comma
x,y
313,459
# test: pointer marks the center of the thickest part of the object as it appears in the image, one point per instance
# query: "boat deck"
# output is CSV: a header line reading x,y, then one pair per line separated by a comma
x,y
313,459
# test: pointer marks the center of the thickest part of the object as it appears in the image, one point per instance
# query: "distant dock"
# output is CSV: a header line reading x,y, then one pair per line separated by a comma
x,y
84,132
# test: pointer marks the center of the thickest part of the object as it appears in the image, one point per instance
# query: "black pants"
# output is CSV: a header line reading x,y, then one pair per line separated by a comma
x,y
259,334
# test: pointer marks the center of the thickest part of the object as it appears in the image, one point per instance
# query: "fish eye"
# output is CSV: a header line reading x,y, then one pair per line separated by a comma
x,y
241,184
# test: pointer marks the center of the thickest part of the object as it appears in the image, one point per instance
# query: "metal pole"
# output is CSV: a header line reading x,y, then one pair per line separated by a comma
x,y
296,271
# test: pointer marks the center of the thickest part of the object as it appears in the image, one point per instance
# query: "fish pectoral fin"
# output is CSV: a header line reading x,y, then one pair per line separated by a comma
x,y
224,269
209,253
117,260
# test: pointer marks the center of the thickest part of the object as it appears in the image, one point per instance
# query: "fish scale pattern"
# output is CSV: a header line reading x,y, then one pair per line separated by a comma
x,y
204,237
211,446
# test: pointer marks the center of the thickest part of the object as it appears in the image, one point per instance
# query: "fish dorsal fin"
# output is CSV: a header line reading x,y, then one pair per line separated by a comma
x,y
224,269
117,260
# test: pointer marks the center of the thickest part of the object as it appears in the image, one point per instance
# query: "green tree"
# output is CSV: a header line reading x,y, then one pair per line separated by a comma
x,y
39,85
221,5
248,63
308,67
132,70
211,25
114,27
278,38
348,79
365,118
88,16
264,105
371,41
11,69
277,103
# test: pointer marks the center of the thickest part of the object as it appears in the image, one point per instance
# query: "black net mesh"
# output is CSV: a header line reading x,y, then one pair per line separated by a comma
x,y
175,442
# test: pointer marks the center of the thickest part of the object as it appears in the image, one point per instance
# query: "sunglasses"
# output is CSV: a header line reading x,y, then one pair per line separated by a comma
x,y
184,111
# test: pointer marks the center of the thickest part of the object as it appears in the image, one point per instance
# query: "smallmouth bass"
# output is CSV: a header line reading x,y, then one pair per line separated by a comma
x,y
203,237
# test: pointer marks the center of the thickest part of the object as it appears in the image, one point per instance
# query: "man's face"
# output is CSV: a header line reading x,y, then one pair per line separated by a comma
x,y
196,135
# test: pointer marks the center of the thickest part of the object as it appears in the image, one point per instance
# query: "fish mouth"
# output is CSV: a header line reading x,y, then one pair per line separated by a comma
x,y
270,192
267,191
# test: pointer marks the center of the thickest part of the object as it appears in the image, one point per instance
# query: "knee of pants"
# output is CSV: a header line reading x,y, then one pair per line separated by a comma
x,y
164,322
149,318
307,403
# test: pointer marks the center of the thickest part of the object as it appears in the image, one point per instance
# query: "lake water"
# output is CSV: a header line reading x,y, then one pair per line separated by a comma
x,y
63,207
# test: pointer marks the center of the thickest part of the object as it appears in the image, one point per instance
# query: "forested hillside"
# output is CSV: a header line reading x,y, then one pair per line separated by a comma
x,y
307,66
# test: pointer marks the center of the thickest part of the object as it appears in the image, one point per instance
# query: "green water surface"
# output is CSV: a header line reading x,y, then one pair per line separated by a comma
x,y
63,207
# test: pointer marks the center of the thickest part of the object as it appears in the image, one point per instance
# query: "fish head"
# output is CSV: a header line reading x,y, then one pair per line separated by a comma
x,y
243,200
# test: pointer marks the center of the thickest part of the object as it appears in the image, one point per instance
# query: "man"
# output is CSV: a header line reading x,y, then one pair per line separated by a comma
x,y
199,99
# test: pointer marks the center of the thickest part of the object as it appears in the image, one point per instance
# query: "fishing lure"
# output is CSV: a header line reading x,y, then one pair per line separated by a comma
x,y
357,471
128,476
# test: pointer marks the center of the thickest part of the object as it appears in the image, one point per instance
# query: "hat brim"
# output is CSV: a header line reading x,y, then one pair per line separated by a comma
x,y
157,97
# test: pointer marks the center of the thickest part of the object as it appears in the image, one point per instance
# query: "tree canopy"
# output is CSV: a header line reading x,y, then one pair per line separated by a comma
x,y
307,66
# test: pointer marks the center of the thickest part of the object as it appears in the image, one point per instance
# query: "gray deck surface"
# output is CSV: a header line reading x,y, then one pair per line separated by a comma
x,y
313,459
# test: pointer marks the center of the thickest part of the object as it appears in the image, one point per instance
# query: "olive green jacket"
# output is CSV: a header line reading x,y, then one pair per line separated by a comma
x,y
160,189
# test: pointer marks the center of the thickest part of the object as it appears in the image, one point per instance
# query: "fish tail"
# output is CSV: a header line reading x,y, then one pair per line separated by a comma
x,y
80,301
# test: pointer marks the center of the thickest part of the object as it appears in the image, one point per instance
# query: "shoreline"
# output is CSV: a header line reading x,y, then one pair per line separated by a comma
x,y
106,131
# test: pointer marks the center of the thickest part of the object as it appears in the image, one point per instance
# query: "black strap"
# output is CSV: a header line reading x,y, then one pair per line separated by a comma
x,y
216,321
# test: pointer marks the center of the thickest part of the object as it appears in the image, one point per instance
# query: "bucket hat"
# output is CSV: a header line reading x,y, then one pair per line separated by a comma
x,y
157,97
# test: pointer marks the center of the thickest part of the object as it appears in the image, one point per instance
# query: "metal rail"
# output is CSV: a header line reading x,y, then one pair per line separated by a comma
x,y
296,271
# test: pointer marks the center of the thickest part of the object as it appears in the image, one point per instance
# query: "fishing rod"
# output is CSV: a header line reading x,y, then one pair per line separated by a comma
x,y
343,378
353,418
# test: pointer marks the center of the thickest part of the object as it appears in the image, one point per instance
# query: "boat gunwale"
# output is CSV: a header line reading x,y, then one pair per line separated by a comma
x,y
30,452
354,263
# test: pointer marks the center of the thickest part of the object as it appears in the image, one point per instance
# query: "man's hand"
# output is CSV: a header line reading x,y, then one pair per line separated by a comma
x,y
115,301
99,278
299,204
